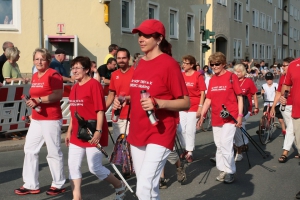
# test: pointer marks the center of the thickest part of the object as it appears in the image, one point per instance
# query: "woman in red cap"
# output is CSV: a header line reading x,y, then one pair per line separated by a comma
x,y
157,73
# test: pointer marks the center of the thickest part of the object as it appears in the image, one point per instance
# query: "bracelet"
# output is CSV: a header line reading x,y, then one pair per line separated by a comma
x,y
240,115
200,105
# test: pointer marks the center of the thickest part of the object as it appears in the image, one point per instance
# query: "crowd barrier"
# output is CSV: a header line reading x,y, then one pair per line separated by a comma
x,y
13,108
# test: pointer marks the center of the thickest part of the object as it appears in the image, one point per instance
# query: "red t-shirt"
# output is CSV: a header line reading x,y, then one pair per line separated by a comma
x,y
195,84
292,78
44,86
248,89
290,97
87,99
222,91
119,83
161,77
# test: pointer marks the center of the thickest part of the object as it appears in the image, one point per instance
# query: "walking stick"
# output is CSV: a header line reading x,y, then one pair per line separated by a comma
x,y
224,114
100,148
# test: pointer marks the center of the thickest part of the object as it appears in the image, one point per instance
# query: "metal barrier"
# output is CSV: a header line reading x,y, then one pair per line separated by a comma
x,y
12,107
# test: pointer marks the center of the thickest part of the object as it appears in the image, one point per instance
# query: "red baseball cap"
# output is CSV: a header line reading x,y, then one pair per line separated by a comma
x,y
150,26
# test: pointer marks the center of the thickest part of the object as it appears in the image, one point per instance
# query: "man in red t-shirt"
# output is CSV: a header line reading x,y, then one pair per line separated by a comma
x,y
292,78
119,85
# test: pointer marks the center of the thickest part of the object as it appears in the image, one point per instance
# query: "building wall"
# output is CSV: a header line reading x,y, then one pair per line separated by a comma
x,y
83,18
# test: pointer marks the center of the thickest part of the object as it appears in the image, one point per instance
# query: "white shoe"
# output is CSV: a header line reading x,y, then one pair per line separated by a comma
x,y
238,157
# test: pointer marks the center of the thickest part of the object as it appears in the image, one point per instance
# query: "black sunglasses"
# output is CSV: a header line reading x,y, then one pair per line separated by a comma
x,y
216,64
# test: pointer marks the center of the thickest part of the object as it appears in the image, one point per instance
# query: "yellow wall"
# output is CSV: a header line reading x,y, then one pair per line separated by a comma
x,y
82,18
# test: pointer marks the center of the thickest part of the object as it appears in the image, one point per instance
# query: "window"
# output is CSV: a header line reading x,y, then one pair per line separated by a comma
x,y
237,48
263,21
279,27
127,15
153,11
291,32
190,27
10,15
255,18
275,40
275,15
247,35
173,24
279,53
291,53
291,9
222,2
262,51
238,9
269,52
269,23
247,5
254,51
280,4
295,34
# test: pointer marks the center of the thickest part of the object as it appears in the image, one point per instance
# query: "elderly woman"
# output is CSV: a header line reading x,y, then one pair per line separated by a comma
x,y
223,84
248,89
188,119
46,92
87,99
10,70
157,73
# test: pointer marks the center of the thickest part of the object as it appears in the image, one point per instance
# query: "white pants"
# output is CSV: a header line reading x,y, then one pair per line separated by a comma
x,y
41,131
223,137
94,160
148,162
119,128
296,126
239,136
289,136
186,130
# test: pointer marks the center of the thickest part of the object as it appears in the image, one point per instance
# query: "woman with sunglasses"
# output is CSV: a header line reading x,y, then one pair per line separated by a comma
x,y
223,89
157,73
196,86
289,133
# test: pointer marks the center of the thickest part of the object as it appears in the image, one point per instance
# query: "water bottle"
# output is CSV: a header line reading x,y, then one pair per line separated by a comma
x,y
26,98
115,116
150,113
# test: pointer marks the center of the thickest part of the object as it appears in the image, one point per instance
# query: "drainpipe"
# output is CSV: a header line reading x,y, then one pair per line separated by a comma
x,y
40,23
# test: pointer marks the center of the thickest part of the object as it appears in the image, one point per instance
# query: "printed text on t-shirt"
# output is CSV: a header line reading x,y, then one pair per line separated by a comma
x,y
141,84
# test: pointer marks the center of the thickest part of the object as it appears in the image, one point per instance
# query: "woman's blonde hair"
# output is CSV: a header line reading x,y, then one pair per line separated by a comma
x,y
45,53
240,67
217,57
11,53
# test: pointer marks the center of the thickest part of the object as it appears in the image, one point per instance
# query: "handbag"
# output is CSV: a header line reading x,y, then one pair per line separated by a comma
x,y
86,128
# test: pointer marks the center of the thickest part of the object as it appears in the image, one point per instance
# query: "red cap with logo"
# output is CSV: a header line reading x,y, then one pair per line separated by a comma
x,y
150,26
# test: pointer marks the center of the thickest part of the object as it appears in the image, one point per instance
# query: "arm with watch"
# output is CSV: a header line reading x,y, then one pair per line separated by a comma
x,y
98,132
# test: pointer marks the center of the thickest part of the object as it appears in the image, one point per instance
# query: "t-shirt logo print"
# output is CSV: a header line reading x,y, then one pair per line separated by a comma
x,y
117,77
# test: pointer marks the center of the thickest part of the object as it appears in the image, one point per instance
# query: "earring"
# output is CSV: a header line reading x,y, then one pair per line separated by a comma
x,y
157,43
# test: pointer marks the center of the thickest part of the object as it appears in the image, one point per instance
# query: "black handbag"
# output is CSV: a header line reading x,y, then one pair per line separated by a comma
x,y
86,128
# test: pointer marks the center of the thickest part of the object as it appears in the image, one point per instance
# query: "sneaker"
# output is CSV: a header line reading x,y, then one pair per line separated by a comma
x,y
163,183
24,191
221,176
238,157
229,178
55,191
213,160
181,176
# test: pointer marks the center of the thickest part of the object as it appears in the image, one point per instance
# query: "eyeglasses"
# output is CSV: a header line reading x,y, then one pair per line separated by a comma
x,y
185,63
76,68
284,65
216,64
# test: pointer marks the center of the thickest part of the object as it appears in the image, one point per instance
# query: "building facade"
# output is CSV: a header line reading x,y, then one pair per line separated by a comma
x,y
260,30
88,27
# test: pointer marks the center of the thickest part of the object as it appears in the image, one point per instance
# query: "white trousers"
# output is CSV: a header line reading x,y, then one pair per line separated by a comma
x,y
186,130
223,137
41,131
94,160
289,136
148,162
119,128
296,126
239,136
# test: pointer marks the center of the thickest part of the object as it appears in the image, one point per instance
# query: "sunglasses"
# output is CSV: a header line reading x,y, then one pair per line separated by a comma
x,y
216,64
284,65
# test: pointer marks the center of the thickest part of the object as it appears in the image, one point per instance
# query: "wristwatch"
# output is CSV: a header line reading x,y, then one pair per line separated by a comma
x,y
40,100
100,131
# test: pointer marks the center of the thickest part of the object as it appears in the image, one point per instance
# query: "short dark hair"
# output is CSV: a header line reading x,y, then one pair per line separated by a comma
x,y
288,59
112,47
84,61
124,50
110,60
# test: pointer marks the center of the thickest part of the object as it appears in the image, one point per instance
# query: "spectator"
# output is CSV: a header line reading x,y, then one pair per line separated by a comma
x,y
263,68
105,73
87,99
94,72
46,91
3,58
135,58
10,70
57,64
223,84
112,49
